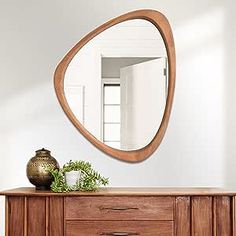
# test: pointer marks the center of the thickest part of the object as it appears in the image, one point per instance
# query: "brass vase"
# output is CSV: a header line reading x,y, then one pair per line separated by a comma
x,y
36,172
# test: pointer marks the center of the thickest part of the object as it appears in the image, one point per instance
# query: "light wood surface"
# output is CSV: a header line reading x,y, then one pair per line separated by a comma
x,y
29,191
162,24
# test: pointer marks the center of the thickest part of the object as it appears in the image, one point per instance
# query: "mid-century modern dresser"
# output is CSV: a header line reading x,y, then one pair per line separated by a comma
x,y
121,212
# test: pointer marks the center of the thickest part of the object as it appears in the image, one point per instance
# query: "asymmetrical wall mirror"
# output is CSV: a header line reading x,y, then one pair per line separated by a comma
x,y
116,85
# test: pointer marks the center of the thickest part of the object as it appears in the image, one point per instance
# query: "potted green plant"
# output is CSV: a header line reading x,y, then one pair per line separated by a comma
x,y
72,172
76,176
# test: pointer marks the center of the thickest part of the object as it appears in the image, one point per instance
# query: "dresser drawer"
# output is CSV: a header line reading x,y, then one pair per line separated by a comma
x,y
119,208
119,228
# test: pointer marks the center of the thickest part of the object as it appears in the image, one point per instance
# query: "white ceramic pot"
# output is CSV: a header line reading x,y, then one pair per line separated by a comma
x,y
72,177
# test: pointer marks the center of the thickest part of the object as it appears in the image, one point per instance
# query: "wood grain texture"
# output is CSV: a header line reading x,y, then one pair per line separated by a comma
x,y
201,217
56,216
7,217
182,216
144,228
162,24
233,215
25,216
15,216
127,192
36,220
119,208
47,216
222,216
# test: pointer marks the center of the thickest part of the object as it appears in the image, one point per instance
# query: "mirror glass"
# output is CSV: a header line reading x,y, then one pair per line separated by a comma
x,y
116,85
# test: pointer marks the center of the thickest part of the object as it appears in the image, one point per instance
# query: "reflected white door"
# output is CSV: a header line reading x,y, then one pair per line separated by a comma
x,y
143,99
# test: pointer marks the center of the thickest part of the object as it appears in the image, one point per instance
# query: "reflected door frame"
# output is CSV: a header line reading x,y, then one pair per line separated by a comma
x,y
123,48
105,81
127,50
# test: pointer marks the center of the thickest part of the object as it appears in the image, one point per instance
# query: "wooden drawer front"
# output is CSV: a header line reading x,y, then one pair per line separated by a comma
x,y
119,208
119,228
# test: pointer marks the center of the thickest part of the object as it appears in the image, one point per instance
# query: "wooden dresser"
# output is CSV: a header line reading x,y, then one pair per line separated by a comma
x,y
121,212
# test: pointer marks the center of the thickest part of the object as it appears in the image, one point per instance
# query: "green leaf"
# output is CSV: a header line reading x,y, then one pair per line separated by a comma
x,y
90,179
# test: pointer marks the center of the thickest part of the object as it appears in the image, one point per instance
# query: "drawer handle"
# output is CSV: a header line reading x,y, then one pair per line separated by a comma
x,y
119,208
119,234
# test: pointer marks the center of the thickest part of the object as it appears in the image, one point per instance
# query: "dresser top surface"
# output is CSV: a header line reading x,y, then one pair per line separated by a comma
x,y
29,191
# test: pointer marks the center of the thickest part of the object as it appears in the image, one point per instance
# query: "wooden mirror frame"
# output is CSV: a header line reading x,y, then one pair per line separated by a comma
x,y
162,24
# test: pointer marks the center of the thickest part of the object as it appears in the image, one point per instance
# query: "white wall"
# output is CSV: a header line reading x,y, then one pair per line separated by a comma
x,y
199,147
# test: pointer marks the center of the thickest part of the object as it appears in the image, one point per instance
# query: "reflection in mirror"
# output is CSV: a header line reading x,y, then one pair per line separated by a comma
x,y
117,84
